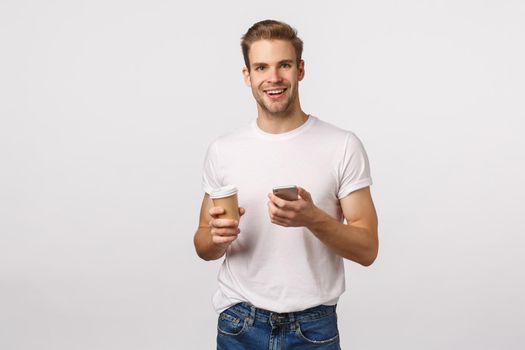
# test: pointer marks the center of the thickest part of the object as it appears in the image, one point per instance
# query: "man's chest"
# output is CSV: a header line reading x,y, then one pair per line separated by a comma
x,y
255,173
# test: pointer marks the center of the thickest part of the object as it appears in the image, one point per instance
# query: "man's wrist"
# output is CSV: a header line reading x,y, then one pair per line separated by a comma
x,y
319,220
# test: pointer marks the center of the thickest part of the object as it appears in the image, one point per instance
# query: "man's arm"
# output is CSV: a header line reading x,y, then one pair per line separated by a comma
x,y
214,235
357,240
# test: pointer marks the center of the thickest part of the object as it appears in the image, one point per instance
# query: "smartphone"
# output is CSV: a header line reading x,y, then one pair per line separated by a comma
x,y
288,193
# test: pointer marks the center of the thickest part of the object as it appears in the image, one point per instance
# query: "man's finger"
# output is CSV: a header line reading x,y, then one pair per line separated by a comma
x,y
277,212
225,231
224,223
279,202
216,210
304,194
223,239
279,222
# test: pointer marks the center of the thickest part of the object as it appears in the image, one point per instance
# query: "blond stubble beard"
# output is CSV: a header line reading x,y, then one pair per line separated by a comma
x,y
282,112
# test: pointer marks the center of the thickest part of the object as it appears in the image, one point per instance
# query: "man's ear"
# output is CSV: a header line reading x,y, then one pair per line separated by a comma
x,y
246,75
300,67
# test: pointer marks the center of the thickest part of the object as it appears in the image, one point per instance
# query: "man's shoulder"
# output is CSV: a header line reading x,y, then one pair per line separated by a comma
x,y
233,136
332,130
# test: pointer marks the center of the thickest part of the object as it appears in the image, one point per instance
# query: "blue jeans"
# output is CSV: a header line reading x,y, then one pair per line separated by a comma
x,y
245,327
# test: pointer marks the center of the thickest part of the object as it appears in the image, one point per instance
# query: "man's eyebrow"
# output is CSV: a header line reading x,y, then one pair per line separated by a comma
x,y
258,64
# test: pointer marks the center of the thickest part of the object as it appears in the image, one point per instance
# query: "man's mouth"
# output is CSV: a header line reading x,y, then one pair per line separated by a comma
x,y
275,93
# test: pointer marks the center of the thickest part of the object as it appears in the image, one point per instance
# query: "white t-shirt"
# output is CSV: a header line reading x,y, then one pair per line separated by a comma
x,y
284,269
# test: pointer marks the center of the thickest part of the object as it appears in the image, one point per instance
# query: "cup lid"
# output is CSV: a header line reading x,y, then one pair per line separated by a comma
x,y
222,192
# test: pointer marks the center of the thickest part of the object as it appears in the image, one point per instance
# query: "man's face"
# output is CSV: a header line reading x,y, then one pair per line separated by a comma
x,y
274,76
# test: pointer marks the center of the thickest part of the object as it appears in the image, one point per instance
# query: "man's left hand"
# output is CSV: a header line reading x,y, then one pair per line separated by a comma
x,y
301,212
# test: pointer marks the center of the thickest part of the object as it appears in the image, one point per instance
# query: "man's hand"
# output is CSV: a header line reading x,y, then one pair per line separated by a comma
x,y
301,212
357,240
214,235
223,231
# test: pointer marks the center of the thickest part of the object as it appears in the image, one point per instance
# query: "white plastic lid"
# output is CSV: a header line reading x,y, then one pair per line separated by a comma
x,y
224,191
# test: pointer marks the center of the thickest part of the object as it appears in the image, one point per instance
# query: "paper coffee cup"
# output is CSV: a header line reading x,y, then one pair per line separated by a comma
x,y
226,197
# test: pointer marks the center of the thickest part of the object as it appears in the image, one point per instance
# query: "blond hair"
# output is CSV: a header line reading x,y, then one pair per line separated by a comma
x,y
268,30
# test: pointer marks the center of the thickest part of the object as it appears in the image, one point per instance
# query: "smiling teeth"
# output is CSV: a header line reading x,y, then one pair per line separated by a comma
x,y
275,92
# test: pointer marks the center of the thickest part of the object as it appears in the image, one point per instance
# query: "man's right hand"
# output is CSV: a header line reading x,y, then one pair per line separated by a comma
x,y
223,231
214,235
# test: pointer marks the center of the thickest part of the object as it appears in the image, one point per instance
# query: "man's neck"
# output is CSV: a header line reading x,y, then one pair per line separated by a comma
x,y
278,124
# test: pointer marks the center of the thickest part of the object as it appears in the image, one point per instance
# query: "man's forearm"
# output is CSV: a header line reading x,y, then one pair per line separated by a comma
x,y
206,249
351,242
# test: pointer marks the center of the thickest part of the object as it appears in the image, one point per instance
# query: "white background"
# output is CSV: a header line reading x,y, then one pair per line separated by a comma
x,y
107,108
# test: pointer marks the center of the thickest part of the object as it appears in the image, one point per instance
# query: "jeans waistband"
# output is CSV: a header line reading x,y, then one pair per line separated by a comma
x,y
262,315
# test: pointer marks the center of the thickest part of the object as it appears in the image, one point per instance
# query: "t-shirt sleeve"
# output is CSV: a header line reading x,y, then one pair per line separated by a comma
x,y
354,168
210,173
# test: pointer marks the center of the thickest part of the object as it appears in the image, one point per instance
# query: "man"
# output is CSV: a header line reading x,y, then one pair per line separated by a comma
x,y
283,270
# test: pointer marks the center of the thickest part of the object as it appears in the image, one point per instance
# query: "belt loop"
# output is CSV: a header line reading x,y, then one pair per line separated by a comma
x,y
252,314
292,322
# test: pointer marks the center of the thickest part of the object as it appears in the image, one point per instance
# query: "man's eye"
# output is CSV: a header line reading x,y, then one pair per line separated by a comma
x,y
286,65
260,68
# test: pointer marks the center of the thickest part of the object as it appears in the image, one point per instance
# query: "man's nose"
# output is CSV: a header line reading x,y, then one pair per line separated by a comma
x,y
273,75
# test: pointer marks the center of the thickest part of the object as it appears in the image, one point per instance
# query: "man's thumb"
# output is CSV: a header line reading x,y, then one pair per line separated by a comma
x,y
304,194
